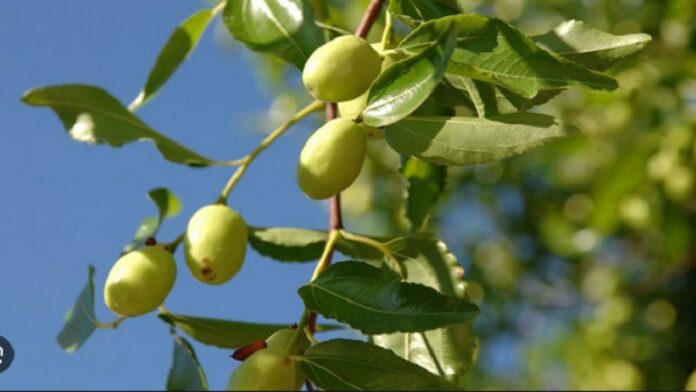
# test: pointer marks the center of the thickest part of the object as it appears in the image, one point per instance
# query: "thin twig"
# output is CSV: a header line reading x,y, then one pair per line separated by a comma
x,y
237,175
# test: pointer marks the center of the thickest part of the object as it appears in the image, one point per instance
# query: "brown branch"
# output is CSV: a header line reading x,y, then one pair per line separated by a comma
x,y
369,18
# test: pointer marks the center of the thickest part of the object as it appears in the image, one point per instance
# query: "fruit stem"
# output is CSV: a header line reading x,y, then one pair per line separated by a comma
x,y
388,27
335,220
246,161
171,246
388,254
307,324
112,325
325,261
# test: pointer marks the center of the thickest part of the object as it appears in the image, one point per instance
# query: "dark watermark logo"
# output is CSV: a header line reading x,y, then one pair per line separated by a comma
x,y
6,354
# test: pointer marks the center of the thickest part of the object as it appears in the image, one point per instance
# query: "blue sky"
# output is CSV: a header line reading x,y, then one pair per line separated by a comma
x,y
65,205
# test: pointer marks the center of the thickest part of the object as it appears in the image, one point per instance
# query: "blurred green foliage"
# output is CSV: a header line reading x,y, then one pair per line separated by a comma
x,y
581,253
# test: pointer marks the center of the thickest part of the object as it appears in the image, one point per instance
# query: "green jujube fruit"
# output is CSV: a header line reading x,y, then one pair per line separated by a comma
x,y
215,244
140,281
353,109
281,341
341,69
331,159
267,370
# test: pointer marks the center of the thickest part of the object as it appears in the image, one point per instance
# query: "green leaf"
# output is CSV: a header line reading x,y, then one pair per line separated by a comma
x,y
350,365
375,300
416,11
426,182
186,373
573,40
80,319
591,47
490,100
495,52
91,115
448,350
168,205
285,28
287,244
178,48
468,141
226,333
406,84
301,245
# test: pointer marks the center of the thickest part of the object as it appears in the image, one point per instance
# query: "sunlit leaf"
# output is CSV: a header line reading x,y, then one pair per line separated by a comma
x,y
490,100
80,319
350,365
448,350
406,84
416,11
168,206
375,300
574,40
284,28
186,373
468,140
227,333
301,245
591,47
493,51
179,46
425,184
91,115
288,244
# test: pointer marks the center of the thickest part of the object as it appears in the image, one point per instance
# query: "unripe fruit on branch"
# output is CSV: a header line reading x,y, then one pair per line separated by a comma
x,y
281,341
267,370
139,281
372,133
341,69
331,159
353,109
215,244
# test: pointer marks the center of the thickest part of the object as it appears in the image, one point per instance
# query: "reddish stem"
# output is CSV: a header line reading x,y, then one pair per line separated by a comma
x,y
335,218
369,18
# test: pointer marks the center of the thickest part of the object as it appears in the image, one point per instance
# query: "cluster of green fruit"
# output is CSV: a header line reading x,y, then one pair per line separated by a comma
x,y
341,71
215,240
214,244
216,236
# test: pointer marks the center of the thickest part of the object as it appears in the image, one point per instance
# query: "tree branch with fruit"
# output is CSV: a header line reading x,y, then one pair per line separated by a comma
x,y
442,88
